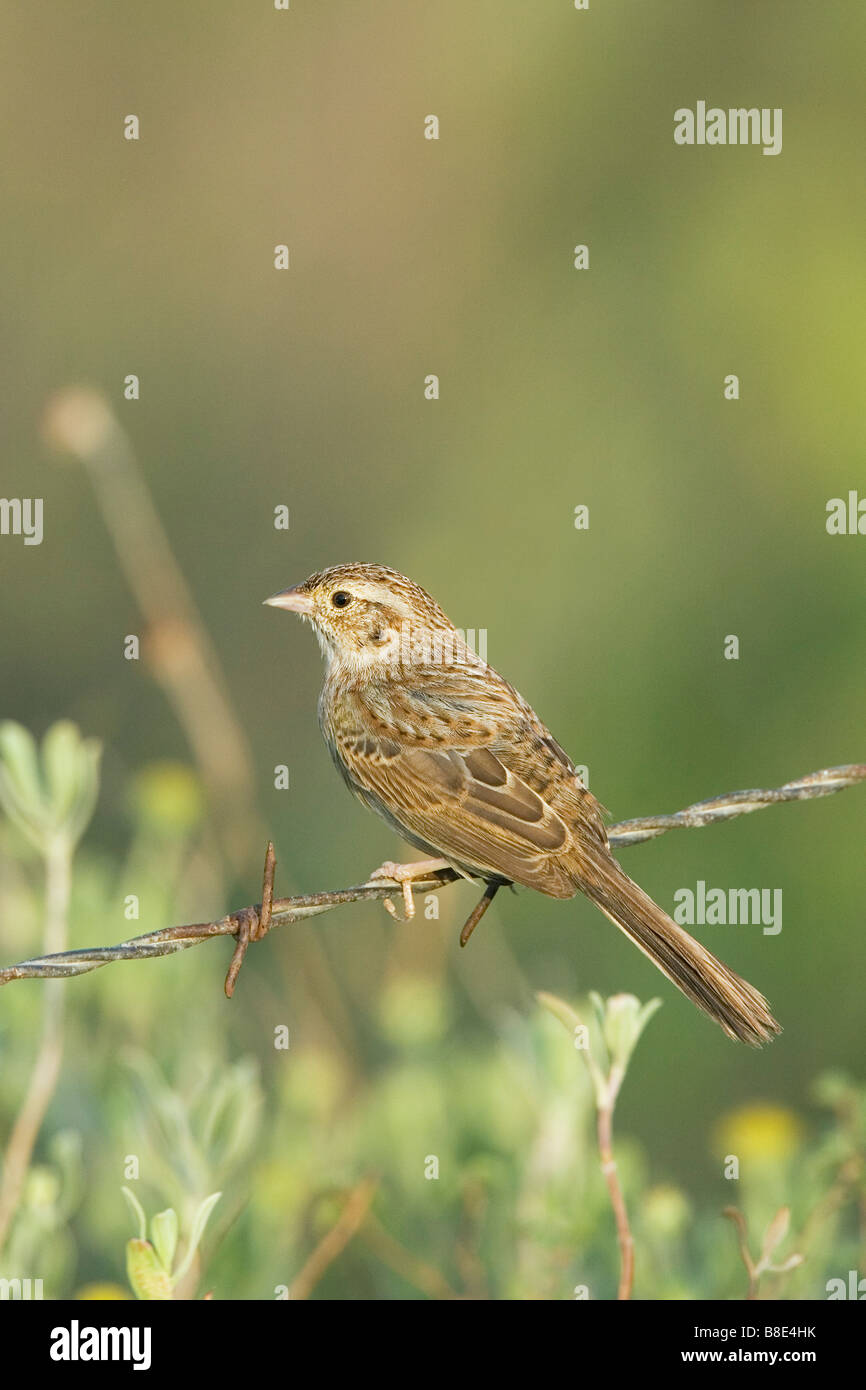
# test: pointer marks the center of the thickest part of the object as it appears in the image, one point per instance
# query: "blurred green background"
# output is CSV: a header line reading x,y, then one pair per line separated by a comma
x,y
306,388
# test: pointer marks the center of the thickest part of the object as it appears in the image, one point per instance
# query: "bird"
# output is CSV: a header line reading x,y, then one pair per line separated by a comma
x,y
439,744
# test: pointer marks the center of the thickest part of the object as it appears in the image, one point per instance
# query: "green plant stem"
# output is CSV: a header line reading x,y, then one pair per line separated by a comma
x,y
604,1128
46,1068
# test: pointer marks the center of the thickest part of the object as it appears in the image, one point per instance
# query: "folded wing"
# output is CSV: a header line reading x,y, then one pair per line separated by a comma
x,y
469,806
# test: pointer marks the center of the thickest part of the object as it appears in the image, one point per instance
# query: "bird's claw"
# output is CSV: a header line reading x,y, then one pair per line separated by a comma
x,y
402,874
405,875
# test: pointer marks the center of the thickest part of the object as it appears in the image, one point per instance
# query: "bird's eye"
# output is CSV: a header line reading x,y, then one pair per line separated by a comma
x,y
341,599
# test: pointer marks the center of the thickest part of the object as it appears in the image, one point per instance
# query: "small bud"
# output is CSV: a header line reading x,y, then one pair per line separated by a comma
x,y
666,1211
623,1019
42,1190
163,1228
146,1274
78,420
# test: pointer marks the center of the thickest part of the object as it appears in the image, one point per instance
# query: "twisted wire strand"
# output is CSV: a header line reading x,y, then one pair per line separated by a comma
x,y
718,808
170,940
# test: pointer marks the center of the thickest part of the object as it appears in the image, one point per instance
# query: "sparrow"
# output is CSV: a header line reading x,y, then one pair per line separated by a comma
x,y
435,741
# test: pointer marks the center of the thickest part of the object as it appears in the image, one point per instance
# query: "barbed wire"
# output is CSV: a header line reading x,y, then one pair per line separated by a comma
x,y
249,924
717,808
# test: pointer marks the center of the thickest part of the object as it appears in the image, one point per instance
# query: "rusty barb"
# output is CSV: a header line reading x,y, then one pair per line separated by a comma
x,y
249,924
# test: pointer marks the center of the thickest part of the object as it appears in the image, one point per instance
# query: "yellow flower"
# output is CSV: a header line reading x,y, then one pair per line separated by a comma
x,y
759,1132
168,796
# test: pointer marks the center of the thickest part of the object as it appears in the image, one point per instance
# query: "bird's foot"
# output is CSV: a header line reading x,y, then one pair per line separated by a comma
x,y
404,875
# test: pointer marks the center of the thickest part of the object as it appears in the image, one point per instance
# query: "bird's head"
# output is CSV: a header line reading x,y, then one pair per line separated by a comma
x,y
368,618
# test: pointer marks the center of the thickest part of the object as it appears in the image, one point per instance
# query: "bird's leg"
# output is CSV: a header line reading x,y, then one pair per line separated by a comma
x,y
479,910
404,874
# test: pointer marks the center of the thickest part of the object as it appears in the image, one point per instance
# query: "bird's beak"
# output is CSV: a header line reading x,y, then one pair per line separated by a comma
x,y
294,600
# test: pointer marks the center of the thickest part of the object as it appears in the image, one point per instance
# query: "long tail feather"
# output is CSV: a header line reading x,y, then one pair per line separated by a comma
x,y
738,1008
